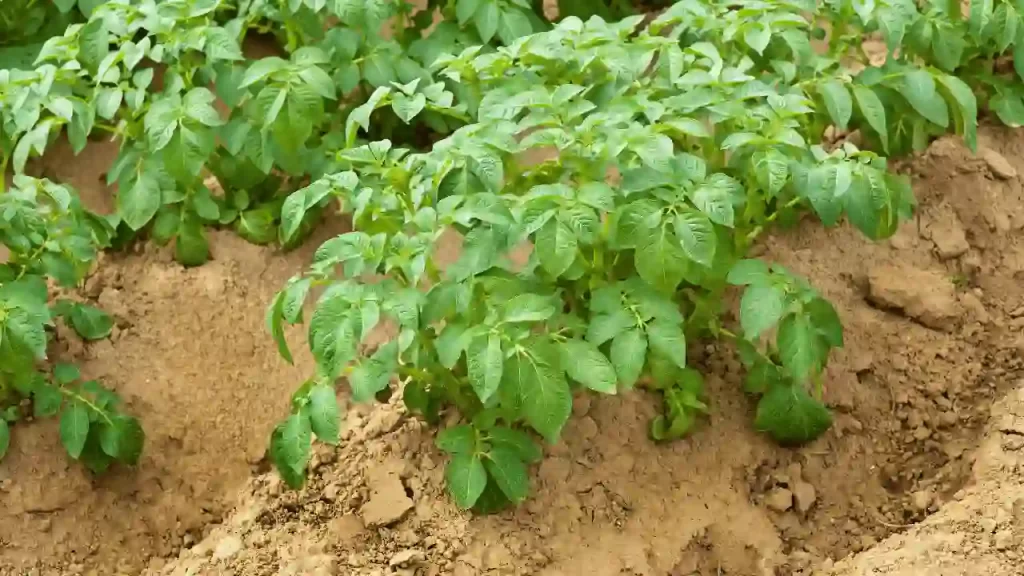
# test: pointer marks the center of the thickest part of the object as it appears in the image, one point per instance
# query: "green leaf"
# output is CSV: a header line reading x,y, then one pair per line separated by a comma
x,y
138,203
450,345
761,307
464,9
873,111
629,350
514,25
486,19
771,168
919,90
91,323
660,260
466,478
757,35
198,105
74,428
46,400
799,348
537,381
324,418
826,320
586,364
837,102
378,70
373,375
529,308
604,327
715,196
290,448
485,364
406,107
460,439
273,321
668,340
965,108
191,247
28,330
5,438
517,441
791,415
696,236
509,472
556,247
122,439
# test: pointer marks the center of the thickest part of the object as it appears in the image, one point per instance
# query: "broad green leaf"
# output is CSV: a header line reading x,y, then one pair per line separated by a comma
x,y
324,417
407,107
696,236
122,438
556,247
46,400
667,339
529,308
791,415
837,102
28,330
799,348
757,35
919,90
826,320
604,327
374,374
466,478
771,168
586,364
91,323
464,9
714,198
873,111
536,381
138,203
949,50
290,447
460,439
761,307
965,110
660,260
517,441
979,17
509,472
628,352
485,362
74,428
486,19
514,25
450,345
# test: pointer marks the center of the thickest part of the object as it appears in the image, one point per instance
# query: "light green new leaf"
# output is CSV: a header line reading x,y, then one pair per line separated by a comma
x,y
509,472
629,350
696,236
761,307
668,340
791,415
536,382
757,35
837,102
799,347
485,362
873,111
586,364
965,108
324,417
771,168
714,198
604,327
466,478
74,428
407,107
556,247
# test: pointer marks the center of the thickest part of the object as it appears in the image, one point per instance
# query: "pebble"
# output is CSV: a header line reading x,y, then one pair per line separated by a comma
x,y
804,496
406,557
1003,539
779,500
999,165
921,500
227,547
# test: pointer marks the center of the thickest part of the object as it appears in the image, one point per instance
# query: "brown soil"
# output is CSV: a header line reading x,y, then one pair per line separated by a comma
x,y
933,338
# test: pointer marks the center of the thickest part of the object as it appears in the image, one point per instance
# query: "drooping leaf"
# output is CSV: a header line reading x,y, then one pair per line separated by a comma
x,y
324,417
586,364
91,323
509,472
791,415
74,428
628,353
761,307
466,478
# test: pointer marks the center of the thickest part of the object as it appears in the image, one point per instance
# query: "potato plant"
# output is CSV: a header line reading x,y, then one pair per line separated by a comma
x,y
638,164
51,238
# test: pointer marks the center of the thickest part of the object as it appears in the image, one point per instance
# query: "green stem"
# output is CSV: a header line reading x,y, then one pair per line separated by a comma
x,y
88,403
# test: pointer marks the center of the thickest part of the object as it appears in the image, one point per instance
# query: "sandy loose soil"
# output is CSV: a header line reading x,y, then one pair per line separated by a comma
x,y
933,328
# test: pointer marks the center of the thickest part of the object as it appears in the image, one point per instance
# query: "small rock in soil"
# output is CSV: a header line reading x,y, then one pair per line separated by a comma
x,y
388,502
407,557
998,164
922,295
227,547
948,236
921,500
804,496
779,500
1003,539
